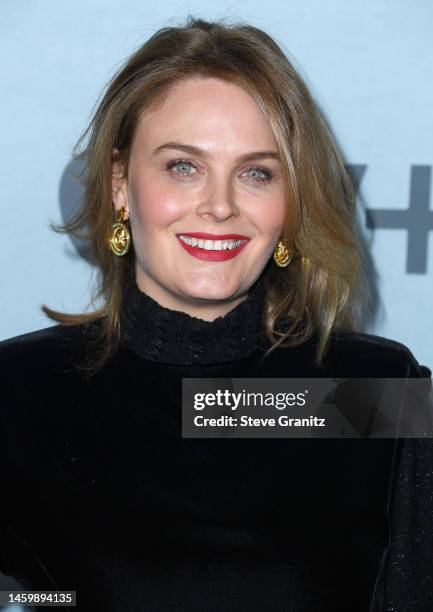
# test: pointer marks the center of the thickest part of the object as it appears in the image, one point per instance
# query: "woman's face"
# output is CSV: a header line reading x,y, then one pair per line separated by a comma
x,y
203,163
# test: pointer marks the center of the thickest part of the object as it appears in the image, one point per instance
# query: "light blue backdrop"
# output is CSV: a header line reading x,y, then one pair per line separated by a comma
x,y
367,62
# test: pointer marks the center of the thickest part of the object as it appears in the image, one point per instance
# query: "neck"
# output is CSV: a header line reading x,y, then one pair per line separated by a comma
x,y
165,335
205,309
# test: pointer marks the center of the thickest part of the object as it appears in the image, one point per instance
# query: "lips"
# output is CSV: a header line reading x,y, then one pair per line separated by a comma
x,y
206,236
207,255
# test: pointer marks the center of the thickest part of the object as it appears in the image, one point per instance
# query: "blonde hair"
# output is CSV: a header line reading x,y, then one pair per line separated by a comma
x,y
321,289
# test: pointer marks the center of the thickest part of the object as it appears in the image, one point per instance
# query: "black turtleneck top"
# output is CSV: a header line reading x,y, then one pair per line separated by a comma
x,y
169,336
105,497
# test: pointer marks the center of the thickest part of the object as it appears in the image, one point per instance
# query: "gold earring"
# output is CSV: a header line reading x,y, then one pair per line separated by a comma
x,y
282,255
120,240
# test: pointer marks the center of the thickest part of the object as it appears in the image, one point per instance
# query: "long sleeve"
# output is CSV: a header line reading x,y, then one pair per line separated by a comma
x,y
409,573
18,560
408,584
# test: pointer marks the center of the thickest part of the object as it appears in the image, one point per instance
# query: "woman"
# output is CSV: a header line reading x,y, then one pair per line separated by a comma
x,y
220,217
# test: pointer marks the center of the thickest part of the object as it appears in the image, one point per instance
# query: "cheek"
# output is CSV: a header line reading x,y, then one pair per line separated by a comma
x,y
153,205
269,216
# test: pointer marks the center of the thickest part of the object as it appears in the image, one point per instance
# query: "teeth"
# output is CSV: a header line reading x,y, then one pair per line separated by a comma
x,y
212,245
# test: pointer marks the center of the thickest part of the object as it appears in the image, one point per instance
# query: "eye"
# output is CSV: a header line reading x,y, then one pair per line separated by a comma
x,y
181,166
260,175
184,168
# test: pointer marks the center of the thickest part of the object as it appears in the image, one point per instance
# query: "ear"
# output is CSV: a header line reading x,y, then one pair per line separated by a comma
x,y
119,183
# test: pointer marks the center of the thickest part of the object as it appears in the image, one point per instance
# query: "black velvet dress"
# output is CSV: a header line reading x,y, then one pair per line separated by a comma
x,y
103,496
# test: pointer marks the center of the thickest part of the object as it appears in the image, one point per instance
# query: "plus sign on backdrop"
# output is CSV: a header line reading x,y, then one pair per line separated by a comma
x,y
367,63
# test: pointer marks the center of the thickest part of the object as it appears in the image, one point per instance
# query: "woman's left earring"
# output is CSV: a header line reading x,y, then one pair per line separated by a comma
x,y
282,255
120,240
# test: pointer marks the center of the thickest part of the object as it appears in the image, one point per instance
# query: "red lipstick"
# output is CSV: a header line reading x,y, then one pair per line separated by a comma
x,y
220,255
205,236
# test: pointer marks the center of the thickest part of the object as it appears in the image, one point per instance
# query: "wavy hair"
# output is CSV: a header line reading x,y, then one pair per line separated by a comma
x,y
322,288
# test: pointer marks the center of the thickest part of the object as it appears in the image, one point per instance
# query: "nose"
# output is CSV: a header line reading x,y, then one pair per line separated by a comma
x,y
218,201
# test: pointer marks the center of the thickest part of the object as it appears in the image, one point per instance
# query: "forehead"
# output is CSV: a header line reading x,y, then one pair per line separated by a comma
x,y
206,109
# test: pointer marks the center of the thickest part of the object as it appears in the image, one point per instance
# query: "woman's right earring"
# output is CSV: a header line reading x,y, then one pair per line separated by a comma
x,y
282,255
120,240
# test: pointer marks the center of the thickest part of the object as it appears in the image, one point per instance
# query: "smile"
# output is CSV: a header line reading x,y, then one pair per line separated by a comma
x,y
212,250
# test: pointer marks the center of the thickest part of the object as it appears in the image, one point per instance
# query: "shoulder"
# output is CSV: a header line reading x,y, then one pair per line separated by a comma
x,y
42,352
374,355
39,375
41,394
38,340
40,343
349,354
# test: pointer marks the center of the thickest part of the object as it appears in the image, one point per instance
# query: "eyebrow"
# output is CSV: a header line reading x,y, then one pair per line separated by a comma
x,y
197,151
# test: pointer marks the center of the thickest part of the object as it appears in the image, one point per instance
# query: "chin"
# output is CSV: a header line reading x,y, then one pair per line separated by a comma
x,y
211,294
